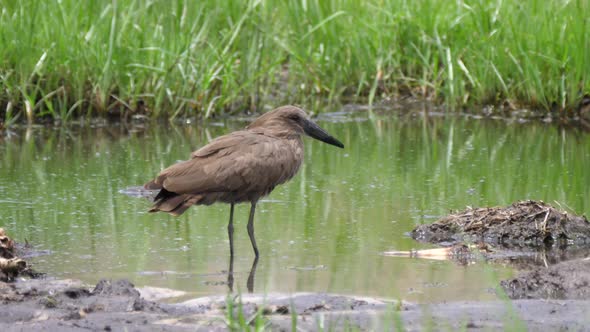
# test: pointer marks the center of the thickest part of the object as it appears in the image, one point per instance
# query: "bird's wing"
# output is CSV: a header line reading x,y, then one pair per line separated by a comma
x,y
241,161
222,143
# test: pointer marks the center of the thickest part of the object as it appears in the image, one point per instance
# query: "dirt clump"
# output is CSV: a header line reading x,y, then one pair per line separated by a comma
x,y
11,266
522,224
55,305
6,245
566,280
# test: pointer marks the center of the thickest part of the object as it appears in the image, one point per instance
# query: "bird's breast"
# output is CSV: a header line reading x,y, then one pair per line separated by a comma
x,y
281,165
292,157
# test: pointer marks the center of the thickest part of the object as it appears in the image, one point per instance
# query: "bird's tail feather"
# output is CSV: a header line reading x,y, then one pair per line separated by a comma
x,y
175,205
152,185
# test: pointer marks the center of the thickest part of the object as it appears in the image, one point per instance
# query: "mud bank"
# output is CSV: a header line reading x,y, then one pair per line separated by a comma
x,y
566,280
522,224
67,305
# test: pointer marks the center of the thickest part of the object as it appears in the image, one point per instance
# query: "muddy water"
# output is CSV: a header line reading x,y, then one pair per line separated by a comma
x,y
323,231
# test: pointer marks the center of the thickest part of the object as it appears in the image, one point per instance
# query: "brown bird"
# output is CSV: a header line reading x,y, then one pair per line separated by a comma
x,y
242,166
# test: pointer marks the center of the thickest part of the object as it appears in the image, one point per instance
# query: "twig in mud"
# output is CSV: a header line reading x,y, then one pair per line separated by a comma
x,y
545,221
533,215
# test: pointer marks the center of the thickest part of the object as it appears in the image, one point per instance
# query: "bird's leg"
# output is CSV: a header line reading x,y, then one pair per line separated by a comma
x,y
250,282
230,231
251,228
230,274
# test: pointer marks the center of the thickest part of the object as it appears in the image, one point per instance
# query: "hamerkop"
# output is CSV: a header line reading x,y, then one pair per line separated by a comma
x,y
242,166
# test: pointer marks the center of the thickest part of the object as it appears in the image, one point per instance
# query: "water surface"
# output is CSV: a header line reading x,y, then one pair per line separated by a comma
x,y
323,231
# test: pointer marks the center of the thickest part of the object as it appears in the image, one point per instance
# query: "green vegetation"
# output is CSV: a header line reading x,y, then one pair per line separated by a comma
x,y
64,59
236,319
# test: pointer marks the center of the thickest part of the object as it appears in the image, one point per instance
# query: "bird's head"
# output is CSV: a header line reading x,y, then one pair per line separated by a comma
x,y
293,120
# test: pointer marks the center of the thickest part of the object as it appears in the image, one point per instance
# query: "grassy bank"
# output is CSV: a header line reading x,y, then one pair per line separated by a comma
x,y
63,59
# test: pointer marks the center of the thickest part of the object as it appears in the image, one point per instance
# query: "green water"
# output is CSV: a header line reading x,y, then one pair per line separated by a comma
x,y
323,231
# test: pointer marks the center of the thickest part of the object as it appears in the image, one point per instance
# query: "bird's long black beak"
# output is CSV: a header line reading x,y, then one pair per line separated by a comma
x,y
315,131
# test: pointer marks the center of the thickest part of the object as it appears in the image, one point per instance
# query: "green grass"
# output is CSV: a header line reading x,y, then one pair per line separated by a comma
x,y
236,320
389,319
66,59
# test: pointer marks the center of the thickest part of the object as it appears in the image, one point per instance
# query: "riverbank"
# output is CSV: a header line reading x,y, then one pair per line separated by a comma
x,y
199,59
118,305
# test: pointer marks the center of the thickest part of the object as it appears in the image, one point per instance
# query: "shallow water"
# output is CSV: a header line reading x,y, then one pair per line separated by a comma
x,y
323,231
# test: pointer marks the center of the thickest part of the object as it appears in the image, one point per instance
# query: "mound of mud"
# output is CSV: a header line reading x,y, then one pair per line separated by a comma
x,y
566,280
526,223
52,305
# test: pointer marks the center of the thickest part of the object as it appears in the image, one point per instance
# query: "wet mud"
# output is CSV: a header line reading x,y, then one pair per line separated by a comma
x,y
67,305
566,280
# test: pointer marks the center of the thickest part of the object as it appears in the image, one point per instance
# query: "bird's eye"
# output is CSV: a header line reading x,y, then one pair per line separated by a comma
x,y
294,117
